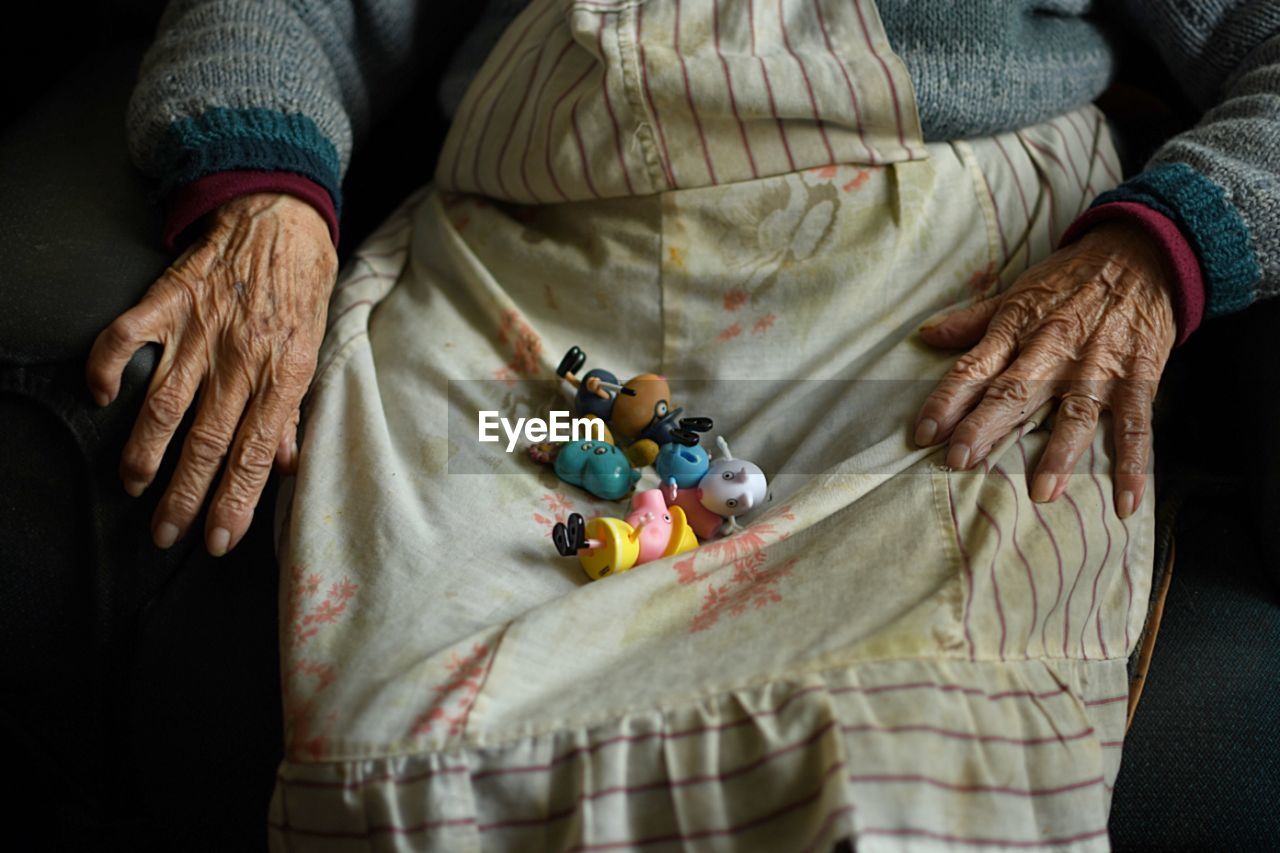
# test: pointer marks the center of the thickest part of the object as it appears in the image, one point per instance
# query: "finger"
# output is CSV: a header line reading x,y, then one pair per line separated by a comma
x,y
248,466
1007,402
169,395
222,401
1073,428
1131,425
115,346
287,449
963,386
963,327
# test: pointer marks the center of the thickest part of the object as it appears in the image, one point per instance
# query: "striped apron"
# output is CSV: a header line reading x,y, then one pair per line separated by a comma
x,y
733,193
590,100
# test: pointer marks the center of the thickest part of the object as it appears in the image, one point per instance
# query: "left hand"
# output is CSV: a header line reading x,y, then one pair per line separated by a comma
x,y
1093,324
240,316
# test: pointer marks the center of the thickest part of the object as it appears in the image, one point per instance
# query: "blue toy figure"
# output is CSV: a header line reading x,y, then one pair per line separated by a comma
x,y
596,391
684,465
591,398
597,466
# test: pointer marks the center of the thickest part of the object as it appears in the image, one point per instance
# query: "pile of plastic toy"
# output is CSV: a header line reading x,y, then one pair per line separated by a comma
x,y
701,496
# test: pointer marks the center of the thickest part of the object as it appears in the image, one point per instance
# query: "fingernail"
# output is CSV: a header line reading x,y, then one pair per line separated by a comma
x,y
1124,505
166,534
925,432
135,487
1042,488
958,456
219,539
101,399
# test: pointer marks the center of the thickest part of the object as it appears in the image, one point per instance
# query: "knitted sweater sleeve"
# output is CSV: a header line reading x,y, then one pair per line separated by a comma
x,y
273,92
1219,182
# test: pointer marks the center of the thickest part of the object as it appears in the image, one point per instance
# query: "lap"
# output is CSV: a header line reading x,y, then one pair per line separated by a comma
x,y
430,621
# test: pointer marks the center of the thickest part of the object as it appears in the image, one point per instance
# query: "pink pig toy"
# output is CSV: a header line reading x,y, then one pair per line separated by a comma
x,y
652,520
610,546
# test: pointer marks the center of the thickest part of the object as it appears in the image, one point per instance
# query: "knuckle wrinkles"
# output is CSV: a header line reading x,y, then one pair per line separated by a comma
x,y
967,366
1144,391
183,504
1013,314
299,363
255,457
1145,364
206,446
166,408
1004,328
1080,409
941,398
1062,329
235,501
287,375
1009,389
1133,426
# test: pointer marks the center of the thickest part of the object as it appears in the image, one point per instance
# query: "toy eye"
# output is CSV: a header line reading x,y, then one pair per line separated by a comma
x,y
666,517
661,408
586,447
602,450
727,475
731,503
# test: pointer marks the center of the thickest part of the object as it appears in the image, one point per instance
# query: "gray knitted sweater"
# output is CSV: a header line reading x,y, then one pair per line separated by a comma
x,y
288,88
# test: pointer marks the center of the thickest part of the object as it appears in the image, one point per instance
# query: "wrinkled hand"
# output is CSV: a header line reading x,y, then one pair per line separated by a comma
x,y
1092,324
240,317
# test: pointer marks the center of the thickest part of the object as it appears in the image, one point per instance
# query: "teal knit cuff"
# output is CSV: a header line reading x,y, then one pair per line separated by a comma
x,y
222,140
1209,221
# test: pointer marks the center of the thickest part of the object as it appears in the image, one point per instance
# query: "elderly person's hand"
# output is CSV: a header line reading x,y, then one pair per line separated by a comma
x,y
240,317
1092,324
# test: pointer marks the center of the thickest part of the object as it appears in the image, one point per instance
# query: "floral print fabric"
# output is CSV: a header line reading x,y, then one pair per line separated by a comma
x,y
914,657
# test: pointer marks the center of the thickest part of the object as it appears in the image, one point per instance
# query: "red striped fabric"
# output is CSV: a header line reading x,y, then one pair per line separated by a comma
x,y
674,94
1062,619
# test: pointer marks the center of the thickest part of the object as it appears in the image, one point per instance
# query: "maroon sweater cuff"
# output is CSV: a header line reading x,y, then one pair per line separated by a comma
x,y
190,203
1188,280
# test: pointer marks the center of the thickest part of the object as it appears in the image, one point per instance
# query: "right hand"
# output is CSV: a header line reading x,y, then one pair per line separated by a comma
x,y
240,316
1092,324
